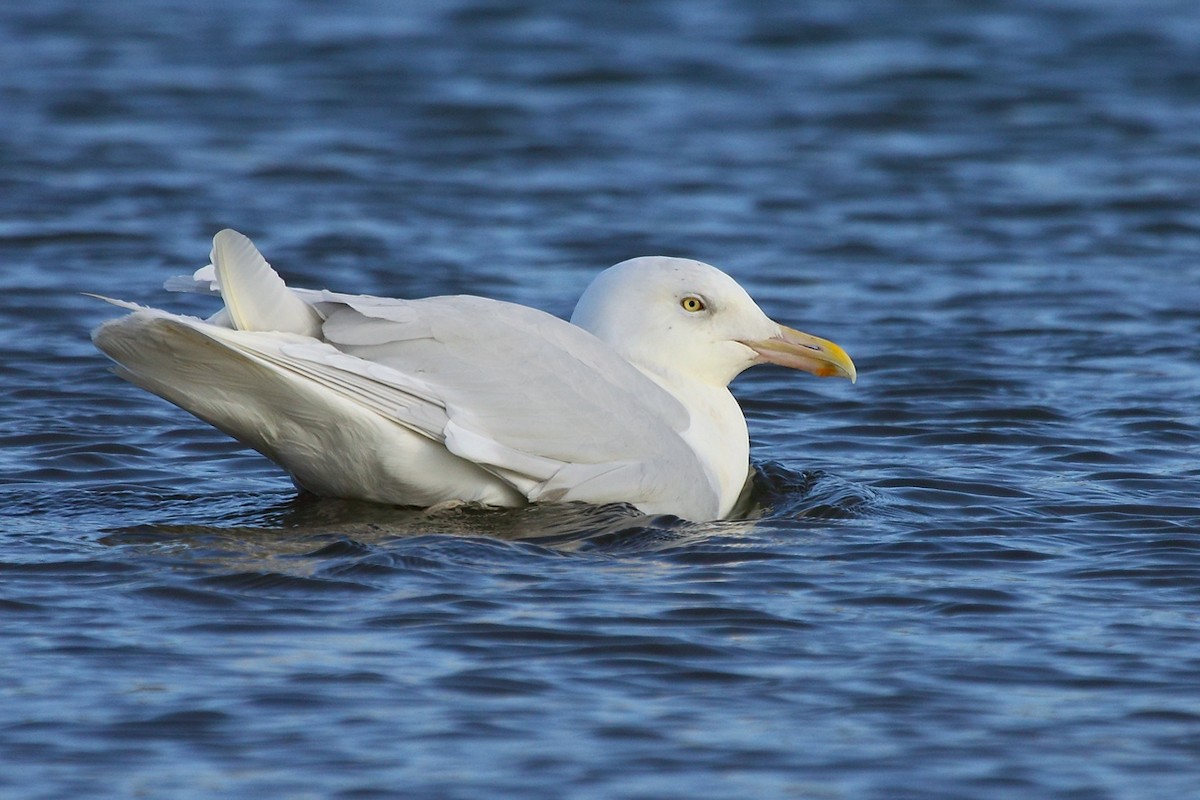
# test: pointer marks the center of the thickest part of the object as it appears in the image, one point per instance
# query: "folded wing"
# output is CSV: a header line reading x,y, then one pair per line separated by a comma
x,y
539,404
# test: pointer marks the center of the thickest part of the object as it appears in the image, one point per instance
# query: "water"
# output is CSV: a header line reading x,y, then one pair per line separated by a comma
x,y
974,575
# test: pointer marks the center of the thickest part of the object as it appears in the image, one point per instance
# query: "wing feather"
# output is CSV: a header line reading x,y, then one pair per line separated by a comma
x,y
541,404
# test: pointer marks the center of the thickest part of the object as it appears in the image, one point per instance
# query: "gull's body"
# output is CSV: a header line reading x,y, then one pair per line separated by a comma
x,y
420,402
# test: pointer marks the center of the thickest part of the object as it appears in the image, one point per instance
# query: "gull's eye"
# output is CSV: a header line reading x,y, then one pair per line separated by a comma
x,y
692,303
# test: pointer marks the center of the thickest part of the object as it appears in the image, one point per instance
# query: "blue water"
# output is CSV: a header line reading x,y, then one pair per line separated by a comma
x,y
976,574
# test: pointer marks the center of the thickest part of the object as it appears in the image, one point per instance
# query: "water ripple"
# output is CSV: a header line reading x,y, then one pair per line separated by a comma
x,y
972,575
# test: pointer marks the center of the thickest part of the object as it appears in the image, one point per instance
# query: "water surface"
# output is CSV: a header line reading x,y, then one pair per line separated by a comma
x,y
975,574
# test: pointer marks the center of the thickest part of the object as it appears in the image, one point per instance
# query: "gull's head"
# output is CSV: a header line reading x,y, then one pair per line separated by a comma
x,y
675,316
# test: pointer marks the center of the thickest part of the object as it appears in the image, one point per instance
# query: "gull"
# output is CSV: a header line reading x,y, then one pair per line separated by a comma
x,y
464,399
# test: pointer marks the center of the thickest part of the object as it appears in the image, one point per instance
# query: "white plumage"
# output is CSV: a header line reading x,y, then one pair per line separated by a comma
x,y
420,402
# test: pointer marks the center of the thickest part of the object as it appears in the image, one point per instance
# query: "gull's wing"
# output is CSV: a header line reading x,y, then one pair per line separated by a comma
x,y
540,403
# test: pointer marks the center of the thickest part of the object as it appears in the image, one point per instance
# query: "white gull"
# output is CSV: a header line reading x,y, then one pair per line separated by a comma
x,y
448,399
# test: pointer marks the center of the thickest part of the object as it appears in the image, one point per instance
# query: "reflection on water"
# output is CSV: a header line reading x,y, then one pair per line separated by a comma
x,y
284,537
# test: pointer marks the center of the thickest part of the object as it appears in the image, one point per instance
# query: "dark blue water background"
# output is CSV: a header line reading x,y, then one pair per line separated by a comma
x,y
974,575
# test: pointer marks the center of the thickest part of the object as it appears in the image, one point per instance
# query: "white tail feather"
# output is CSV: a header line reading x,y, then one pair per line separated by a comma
x,y
256,297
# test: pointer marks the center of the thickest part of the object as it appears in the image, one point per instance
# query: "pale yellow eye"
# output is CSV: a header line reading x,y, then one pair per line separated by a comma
x,y
692,304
